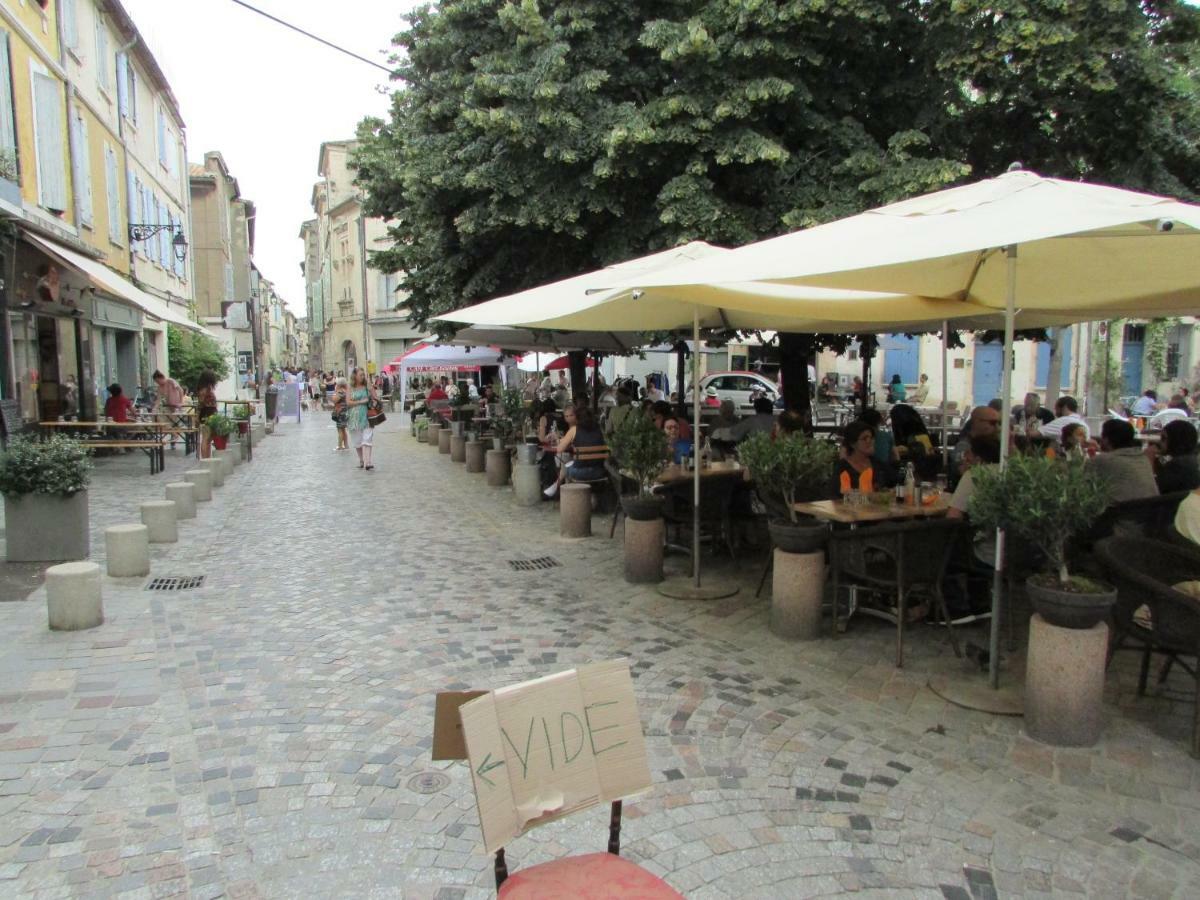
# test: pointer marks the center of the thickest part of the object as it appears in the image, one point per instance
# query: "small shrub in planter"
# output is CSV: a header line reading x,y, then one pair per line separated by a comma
x,y
241,417
1046,502
220,427
641,449
787,469
45,499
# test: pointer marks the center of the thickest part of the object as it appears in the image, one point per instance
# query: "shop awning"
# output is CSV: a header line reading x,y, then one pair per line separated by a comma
x,y
105,279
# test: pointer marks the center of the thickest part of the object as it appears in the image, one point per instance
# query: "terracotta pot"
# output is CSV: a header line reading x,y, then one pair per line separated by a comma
x,y
220,441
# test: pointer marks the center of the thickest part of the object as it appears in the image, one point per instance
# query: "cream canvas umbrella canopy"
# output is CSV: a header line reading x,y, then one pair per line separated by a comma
x,y
1019,242
596,301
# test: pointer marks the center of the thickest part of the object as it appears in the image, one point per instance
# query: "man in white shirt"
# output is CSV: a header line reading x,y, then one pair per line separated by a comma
x,y
1066,410
652,392
1145,405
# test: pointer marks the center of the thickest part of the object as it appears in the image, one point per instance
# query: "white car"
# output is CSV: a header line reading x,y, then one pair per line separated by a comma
x,y
740,387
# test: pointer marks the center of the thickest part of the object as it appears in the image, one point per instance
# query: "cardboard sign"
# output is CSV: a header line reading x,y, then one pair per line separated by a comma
x,y
448,740
549,747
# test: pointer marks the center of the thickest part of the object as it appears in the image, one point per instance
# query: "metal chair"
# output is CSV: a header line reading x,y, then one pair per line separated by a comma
x,y
618,483
1144,572
898,559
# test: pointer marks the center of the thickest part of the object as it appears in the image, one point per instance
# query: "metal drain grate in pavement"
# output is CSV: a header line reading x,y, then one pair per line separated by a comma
x,y
428,783
531,565
176,583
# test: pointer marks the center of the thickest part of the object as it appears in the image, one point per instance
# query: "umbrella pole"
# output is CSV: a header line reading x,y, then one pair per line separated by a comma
x,y
945,353
695,448
1005,424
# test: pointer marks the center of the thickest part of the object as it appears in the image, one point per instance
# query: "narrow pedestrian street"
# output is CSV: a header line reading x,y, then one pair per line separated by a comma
x,y
268,733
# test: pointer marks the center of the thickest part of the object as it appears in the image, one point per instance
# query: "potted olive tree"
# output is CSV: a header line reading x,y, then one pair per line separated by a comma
x,y
788,469
45,499
241,416
1046,502
641,449
220,427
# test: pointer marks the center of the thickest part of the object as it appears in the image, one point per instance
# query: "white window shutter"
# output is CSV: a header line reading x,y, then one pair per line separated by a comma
x,y
113,187
8,133
162,136
228,281
70,20
102,75
51,146
81,164
123,84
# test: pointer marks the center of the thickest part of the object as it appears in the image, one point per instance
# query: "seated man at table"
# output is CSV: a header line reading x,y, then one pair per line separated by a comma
x,y
920,393
118,407
436,392
762,420
1122,463
1066,410
983,451
1145,405
1032,415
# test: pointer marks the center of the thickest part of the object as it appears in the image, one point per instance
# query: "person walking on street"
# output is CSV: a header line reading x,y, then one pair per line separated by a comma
x,y
339,396
206,406
360,428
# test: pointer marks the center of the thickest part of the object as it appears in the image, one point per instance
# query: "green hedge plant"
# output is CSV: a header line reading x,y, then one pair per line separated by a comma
x,y
57,466
1044,501
640,448
789,468
219,425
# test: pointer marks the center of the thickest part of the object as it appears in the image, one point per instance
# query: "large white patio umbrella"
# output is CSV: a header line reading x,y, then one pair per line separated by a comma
x,y
1019,242
595,301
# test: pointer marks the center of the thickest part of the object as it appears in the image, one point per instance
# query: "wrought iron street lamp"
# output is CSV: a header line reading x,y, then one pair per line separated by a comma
x,y
143,232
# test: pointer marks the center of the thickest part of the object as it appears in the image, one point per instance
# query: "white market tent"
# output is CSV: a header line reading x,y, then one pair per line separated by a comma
x,y
430,357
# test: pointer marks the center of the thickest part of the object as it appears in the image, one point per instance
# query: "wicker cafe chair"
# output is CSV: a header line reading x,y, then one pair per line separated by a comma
x,y
898,559
1144,572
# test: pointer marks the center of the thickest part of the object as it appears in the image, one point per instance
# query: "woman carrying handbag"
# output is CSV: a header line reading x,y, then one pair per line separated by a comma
x,y
361,430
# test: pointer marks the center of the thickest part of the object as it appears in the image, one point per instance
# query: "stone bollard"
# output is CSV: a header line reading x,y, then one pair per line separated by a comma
x,y
444,441
497,468
527,483
226,458
216,468
237,450
423,435
474,456
202,483
431,435
458,448
159,517
797,588
183,495
127,548
644,539
73,596
575,510
1064,683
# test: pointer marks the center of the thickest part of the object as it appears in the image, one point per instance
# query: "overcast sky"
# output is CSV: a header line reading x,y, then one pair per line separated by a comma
x,y
266,97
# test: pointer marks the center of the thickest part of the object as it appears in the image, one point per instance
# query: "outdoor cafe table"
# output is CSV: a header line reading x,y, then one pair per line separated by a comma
x,y
674,473
842,514
123,435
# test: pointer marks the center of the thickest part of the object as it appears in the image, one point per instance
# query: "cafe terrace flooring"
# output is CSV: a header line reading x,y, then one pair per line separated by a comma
x,y
267,734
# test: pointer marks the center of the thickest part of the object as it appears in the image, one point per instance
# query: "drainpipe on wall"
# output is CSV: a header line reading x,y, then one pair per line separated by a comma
x,y
125,48
362,253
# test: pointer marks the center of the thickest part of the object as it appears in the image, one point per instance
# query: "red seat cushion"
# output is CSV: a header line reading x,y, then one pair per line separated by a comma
x,y
593,876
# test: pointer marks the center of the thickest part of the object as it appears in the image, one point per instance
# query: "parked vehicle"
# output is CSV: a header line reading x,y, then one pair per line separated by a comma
x,y
743,388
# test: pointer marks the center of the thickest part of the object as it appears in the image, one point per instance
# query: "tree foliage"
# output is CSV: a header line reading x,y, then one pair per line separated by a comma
x,y
189,354
529,140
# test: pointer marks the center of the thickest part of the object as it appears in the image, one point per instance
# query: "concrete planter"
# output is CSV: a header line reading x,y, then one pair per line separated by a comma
x,y
46,527
797,585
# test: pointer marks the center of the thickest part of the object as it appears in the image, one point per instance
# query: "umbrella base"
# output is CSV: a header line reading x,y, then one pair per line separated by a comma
x,y
684,588
974,692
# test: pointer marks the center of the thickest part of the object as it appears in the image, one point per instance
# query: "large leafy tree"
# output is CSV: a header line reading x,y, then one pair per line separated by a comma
x,y
533,140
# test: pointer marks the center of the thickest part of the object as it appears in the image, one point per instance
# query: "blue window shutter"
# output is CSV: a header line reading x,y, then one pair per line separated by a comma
x,y
8,133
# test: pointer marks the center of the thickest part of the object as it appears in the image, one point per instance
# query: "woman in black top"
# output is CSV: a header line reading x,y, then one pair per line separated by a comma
x,y
1175,465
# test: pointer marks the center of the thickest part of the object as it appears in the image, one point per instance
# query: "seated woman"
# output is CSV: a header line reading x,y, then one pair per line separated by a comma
x,y
582,431
1174,459
117,407
897,392
1073,440
677,445
545,420
663,411
886,456
856,469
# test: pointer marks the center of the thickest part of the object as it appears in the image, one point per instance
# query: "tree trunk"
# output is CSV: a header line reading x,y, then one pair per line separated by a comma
x,y
577,366
1054,375
794,353
681,396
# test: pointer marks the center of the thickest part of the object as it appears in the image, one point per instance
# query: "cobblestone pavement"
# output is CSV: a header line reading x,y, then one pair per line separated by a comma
x,y
268,733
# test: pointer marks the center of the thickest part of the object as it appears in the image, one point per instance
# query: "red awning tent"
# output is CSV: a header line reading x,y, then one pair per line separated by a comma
x,y
563,362
430,357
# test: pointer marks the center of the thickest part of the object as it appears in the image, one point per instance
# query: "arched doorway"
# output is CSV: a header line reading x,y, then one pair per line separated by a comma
x,y
349,357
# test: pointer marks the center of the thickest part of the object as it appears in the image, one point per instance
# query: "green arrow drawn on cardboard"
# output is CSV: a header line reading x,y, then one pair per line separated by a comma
x,y
484,768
